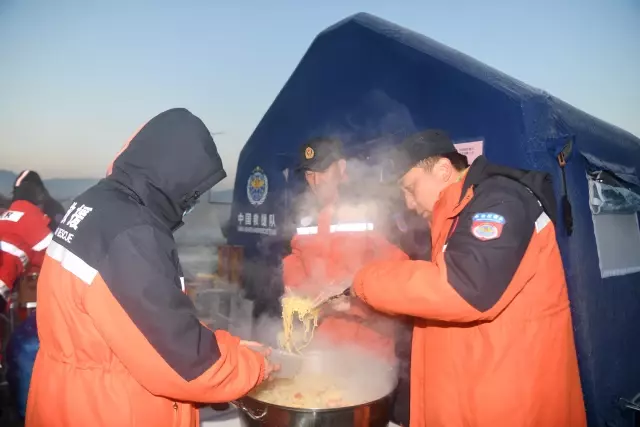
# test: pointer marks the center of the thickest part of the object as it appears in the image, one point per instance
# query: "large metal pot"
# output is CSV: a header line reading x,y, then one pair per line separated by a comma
x,y
376,379
254,413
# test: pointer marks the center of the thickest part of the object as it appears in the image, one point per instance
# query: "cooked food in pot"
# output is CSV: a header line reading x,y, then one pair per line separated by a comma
x,y
309,391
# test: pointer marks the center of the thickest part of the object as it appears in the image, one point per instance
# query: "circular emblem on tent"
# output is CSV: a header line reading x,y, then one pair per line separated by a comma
x,y
309,153
257,187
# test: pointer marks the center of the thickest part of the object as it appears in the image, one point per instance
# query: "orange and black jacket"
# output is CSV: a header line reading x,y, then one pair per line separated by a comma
x,y
120,344
492,339
329,247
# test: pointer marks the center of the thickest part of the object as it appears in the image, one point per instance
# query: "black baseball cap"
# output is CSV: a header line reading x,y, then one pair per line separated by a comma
x,y
318,154
418,147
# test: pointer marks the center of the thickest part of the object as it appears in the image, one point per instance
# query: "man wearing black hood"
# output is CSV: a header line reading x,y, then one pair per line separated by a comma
x,y
29,186
120,343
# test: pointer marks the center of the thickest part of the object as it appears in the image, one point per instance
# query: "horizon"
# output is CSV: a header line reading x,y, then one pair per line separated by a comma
x,y
216,188
65,189
227,66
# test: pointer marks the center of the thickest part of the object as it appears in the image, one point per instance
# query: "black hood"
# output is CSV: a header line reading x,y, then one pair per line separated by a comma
x,y
538,182
168,164
29,186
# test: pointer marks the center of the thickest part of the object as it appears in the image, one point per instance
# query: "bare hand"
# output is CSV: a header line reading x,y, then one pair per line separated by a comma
x,y
269,368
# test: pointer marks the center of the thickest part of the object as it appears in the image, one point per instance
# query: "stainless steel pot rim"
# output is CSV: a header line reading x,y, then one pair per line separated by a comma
x,y
310,410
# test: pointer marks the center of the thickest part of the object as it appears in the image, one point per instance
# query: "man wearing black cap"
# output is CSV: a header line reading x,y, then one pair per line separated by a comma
x,y
492,341
335,235
324,167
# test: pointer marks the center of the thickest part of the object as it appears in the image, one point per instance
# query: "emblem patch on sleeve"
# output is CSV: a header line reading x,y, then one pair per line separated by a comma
x,y
487,226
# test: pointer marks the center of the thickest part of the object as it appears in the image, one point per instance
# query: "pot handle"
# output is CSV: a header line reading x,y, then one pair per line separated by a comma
x,y
249,412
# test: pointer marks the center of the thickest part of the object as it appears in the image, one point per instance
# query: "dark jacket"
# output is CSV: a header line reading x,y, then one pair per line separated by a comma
x,y
113,317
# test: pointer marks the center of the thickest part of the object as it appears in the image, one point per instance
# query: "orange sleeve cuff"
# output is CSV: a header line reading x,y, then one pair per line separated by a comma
x,y
261,377
358,287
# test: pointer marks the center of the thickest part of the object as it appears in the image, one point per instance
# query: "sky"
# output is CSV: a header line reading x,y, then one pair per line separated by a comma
x,y
77,78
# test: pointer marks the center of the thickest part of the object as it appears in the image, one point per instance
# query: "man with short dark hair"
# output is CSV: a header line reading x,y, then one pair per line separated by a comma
x,y
493,340
336,234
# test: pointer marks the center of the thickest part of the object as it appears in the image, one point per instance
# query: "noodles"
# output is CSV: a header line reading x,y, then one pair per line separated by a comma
x,y
329,379
304,391
307,314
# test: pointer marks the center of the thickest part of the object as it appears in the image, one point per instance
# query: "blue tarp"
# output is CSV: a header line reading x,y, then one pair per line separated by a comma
x,y
365,79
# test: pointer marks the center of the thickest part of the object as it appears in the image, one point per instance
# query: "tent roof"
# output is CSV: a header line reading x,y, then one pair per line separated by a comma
x,y
472,67
423,44
356,42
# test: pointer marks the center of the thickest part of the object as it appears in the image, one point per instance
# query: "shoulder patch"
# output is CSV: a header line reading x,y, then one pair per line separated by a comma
x,y
487,225
13,216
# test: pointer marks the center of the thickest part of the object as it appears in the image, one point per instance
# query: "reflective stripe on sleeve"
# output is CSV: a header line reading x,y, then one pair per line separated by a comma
x,y
44,243
307,230
11,249
5,291
542,221
72,263
351,227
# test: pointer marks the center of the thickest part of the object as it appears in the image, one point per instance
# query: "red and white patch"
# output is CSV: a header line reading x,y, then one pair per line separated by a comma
x,y
13,216
487,226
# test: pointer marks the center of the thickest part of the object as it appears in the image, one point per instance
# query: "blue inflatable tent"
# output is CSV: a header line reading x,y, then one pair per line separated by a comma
x,y
371,82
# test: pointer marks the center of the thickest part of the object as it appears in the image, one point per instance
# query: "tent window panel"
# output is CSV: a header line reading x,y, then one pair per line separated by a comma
x,y
609,194
614,201
618,243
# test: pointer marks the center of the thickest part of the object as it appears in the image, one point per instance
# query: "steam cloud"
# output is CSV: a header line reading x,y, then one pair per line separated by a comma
x,y
373,124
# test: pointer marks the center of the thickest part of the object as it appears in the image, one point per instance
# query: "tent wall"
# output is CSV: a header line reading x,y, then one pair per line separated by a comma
x,y
606,311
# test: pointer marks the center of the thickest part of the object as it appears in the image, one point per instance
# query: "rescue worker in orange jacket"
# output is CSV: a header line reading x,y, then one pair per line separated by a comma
x,y
493,340
120,342
335,236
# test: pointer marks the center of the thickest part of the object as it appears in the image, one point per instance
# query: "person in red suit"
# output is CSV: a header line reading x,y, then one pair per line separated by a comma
x,y
24,235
